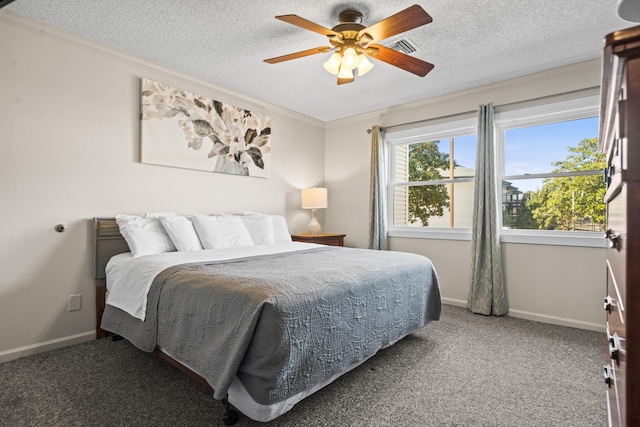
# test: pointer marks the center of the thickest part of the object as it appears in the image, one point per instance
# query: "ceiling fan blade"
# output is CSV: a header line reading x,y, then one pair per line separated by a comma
x,y
321,49
400,60
342,81
408,19
306,24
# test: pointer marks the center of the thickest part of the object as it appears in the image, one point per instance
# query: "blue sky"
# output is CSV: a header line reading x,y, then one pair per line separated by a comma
x,y
533,149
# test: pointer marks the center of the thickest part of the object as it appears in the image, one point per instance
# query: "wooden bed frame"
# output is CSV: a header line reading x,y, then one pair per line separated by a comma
x,y
109,242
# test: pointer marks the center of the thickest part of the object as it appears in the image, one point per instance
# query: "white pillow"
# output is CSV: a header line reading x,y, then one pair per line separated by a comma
x,y
280,228
181,232
219,232
144,234
260,229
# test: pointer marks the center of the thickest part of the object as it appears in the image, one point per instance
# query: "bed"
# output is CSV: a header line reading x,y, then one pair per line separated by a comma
x,y
263,326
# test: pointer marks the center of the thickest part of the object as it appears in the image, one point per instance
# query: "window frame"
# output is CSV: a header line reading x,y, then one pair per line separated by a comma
x,y
428,132
542,113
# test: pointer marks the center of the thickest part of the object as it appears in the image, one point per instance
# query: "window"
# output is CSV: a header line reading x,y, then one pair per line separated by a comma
x,y
432,176
549,168
552,170
547,188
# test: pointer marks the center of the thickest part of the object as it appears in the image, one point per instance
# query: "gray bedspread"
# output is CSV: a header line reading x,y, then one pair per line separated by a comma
x,y
283,322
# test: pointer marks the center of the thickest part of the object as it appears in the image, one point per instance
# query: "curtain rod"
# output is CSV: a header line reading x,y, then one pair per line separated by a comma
x,y
497,107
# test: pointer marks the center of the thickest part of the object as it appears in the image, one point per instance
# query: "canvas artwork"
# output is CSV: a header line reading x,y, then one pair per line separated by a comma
x,y
185,130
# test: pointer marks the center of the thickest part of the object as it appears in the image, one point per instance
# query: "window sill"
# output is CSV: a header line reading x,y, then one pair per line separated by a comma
x,y
530,237
431,233
586,239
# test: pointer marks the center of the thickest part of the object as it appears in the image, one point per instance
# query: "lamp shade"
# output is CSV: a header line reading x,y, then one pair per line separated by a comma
x,y
364,65
333,64
313,198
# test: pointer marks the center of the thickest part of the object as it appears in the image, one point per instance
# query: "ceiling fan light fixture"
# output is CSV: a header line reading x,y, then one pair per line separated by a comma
x,y
345,73
364,65
350,58
332,65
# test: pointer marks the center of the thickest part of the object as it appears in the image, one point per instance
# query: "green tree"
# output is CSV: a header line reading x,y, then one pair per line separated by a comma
x,y
565,202
425,163
541,208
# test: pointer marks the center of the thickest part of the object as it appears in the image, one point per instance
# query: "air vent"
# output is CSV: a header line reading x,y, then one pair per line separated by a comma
x,y
403,45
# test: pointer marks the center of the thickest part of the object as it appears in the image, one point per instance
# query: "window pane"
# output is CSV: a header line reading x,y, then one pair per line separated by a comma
x,y
554,147
431,160
465,156
560,203
439,205
428,161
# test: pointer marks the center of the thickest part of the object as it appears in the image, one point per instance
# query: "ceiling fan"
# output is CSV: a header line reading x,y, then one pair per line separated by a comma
x,y
353,42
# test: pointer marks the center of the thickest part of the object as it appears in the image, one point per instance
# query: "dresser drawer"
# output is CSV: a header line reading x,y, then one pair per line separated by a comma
x,y
618,244
616,277
614,406
614,306
617,385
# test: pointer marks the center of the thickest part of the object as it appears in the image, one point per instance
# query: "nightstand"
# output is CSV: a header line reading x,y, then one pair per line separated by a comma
x,y
322,238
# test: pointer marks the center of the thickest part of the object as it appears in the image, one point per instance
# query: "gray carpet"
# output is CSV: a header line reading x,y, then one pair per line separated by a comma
x,y
465,370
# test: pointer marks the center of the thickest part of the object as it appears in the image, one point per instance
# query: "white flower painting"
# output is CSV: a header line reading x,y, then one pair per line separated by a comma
x,y
184,130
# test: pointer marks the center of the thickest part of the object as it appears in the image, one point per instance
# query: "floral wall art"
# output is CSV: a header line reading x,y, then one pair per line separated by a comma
x,y
184,130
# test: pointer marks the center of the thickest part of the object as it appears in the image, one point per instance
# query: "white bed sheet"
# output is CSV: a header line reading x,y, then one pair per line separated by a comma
x,y
129,278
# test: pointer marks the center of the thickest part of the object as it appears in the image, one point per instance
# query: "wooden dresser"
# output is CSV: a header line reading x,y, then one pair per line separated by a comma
x,y
620,139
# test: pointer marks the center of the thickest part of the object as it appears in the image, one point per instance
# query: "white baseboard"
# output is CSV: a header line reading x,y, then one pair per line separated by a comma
x,y
456,302
41,347
543,318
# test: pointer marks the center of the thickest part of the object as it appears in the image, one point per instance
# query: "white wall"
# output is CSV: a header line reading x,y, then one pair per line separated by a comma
x,y
556,284
69,139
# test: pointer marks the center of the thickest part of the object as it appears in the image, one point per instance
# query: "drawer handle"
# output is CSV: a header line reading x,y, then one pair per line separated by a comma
x,y
613,239
614,347
608,304
607,376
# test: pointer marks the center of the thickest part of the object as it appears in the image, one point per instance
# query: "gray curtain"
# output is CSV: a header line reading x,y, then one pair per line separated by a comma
x,y
487,294
378,192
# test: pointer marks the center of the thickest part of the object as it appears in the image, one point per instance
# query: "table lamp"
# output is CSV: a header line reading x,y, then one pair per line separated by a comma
x,y
314,198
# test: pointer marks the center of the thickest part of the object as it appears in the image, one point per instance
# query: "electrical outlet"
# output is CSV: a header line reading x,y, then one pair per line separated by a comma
x,y
75,302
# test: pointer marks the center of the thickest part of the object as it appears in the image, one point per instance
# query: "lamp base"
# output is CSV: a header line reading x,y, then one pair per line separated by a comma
x,y
314,226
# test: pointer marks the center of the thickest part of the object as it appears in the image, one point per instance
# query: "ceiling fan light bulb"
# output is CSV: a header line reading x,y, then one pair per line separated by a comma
x,y
333,64
350,58
345,73
364,65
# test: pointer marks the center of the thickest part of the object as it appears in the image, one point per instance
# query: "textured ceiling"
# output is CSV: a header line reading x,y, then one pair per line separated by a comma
x,y
471,42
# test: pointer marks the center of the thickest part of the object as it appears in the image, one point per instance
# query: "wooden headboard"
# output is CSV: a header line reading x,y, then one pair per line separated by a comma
x,y
107,242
